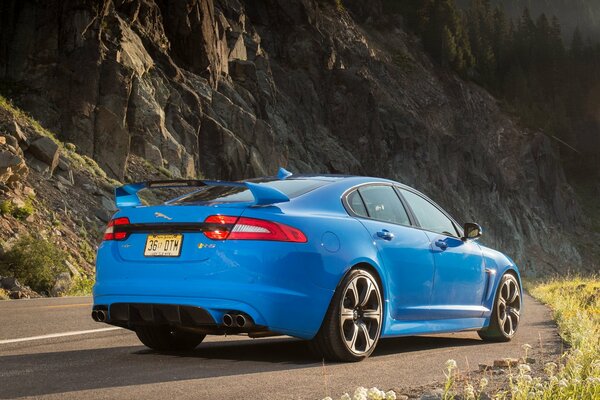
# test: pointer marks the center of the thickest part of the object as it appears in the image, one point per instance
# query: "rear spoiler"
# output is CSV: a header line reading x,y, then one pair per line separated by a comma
x,y
127,195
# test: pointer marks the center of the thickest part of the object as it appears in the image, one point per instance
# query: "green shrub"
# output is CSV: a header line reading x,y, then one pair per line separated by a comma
x,y
34,262
81,286
6,207
87,252
24,211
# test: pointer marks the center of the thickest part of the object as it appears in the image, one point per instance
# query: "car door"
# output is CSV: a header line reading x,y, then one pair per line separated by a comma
x,y
459,277
405,251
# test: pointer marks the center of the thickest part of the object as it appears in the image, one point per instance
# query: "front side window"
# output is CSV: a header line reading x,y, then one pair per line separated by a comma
x,y
429,216
383,204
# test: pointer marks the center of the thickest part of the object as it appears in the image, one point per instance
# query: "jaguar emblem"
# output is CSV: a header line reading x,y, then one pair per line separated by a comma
x,y
161,215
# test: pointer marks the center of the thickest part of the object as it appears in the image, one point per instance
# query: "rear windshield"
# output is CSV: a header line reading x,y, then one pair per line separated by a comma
x,y
224,194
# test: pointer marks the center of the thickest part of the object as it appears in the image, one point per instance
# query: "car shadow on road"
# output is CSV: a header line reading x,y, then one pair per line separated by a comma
x,y
62,372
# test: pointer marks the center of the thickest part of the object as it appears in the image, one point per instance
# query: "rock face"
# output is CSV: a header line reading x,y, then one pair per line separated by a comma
x,y
231,89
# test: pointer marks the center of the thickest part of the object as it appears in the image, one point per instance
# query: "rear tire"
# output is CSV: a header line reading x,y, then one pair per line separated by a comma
x,y
506,314
352,325
164,338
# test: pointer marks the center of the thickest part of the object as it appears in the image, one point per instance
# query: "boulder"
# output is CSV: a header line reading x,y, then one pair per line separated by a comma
x,y
102,214
436,394
62,285
108,204
74,272
64,164
9,283
12,168
29,191
9,160
62,188
15,289
65,177
506,363
15,131
39,166
16,295
12,141
47,151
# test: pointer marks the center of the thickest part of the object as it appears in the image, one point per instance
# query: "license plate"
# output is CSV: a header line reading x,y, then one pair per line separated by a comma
x,y
163,245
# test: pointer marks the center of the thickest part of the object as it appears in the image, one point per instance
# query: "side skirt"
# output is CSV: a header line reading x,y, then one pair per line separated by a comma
x,y
395,328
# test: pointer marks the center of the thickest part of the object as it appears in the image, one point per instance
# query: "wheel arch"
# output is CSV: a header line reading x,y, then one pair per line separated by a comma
x,y
370,266
374,269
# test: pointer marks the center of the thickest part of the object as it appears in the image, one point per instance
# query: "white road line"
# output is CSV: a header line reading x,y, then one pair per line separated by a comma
x,y
56,335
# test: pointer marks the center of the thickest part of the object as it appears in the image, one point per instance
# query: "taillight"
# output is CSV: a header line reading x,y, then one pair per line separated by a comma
x,y
233,228
220,226
114,234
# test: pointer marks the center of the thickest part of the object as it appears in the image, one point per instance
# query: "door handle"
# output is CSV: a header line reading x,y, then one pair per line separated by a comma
x,y
385,234
441,244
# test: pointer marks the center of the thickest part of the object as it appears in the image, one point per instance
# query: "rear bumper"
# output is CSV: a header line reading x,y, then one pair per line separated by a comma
x,y
284,287
294,314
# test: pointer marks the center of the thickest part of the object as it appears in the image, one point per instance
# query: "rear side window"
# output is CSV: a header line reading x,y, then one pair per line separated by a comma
x,y
429,216
383,204
224,194
357,205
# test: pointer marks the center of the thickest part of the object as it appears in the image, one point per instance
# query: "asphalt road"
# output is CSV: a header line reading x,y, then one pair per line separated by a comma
x,y
113,364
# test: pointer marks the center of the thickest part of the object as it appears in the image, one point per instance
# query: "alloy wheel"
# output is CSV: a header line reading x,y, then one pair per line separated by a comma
x,y
509,307
361,314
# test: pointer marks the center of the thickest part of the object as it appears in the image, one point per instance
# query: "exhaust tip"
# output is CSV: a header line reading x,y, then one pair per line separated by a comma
x,y
227,320
101,315
240,320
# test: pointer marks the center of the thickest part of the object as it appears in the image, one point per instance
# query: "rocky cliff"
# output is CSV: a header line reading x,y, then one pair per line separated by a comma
x,y
232,89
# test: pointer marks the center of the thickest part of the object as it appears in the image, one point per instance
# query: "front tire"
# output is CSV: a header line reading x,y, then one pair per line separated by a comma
x,y
506,314
352,325
164,338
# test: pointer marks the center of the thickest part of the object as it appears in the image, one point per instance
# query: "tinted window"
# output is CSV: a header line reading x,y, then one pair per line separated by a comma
x,y
224,194
357,205
383,204
429,216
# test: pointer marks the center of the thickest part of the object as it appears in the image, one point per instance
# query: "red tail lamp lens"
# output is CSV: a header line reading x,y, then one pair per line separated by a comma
x,y
110,234
234,228
220,228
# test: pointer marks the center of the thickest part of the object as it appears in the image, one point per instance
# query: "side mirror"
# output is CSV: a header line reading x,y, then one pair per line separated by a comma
x,y
472,231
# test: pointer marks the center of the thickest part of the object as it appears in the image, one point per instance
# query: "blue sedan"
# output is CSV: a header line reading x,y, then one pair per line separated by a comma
x,y
341,261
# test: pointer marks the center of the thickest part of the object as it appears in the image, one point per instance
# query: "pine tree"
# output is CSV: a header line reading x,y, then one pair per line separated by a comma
x,y
577,44
449,48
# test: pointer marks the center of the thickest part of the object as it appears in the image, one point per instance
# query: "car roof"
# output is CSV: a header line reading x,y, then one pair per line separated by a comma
x,y
329,178
346,180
